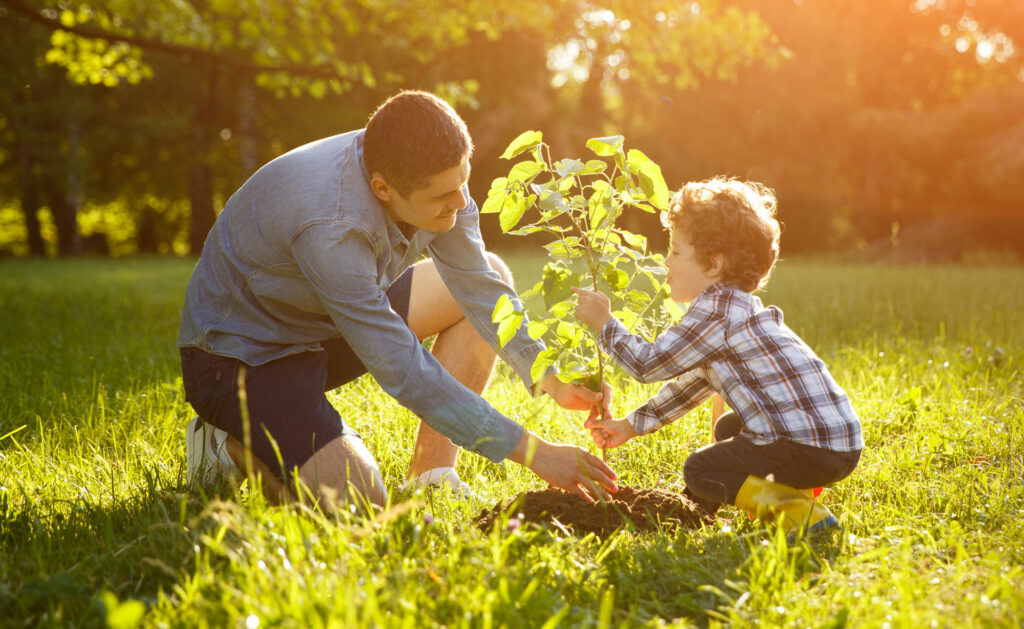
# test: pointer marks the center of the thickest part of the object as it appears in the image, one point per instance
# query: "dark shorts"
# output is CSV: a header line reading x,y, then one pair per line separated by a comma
x,y
285,397
715,472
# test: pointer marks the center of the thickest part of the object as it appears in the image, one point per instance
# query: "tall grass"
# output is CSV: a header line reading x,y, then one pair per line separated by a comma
x,y
96,524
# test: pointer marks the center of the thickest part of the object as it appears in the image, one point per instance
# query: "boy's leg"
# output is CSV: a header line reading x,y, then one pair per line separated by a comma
x,y
717,471
732,471
458,347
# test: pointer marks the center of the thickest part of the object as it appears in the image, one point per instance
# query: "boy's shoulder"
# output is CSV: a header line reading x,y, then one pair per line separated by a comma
x,y
726,301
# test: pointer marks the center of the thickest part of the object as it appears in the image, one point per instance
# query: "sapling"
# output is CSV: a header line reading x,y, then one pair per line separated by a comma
x,y
576,204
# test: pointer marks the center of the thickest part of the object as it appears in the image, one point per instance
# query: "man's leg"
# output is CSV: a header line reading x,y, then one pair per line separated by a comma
x,y
458,347
344,471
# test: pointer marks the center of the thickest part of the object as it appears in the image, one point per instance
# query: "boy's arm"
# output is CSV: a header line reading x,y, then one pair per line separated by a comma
x,y
671,402
679,349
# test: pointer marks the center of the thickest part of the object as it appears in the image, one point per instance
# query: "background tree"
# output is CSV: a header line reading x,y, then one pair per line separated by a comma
x,y
893,121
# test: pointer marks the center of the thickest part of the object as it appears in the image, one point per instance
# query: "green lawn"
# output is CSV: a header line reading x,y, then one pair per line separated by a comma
x,y
96,523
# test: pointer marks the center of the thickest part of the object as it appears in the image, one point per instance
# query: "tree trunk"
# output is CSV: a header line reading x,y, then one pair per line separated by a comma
x,y
65,218
29,188
200,175
200,195
63,185
248,150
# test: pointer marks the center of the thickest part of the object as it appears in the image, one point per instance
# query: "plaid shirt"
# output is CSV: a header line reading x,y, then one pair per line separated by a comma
x,y
729,343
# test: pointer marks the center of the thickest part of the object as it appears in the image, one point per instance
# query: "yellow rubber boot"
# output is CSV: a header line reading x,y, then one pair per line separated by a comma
x,y
768,499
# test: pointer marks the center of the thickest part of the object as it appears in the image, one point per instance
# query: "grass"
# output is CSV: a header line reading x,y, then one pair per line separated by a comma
x,y
96,524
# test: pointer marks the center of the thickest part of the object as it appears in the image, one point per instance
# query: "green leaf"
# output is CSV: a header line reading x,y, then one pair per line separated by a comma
x,y
599,204
536,329
561,308
606,146
567,167
495,196
512,212
551,201
524,172
558,282
616,278
568,333
634,240
651,180
503,308
542,362
524,142
594,166
508,327
561,251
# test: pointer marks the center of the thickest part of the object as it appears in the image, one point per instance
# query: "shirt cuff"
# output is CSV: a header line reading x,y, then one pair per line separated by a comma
x,y
611,329
503,435
644,420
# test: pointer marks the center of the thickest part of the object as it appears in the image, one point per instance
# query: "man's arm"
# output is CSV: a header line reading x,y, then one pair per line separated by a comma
x,y
461,259
339,261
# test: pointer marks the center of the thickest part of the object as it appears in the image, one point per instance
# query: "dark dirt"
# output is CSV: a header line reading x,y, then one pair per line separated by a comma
x,y
645,509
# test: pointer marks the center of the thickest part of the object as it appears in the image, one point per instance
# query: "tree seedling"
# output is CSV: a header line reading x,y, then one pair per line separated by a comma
x,y
576,204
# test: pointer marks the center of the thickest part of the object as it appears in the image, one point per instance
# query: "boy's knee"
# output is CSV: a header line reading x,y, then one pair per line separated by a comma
x,y
502,269
728,426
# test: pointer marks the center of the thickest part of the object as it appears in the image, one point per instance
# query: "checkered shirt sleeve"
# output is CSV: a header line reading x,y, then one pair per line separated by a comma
x,y
676,355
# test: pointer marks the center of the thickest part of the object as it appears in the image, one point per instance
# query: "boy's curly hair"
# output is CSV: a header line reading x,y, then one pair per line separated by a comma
x,y
733,218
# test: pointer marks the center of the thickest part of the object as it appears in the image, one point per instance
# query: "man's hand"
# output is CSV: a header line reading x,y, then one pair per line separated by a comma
x,y
575,397
610,433
566,467
594,309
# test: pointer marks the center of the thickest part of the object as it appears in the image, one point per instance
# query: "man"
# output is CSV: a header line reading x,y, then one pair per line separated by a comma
x,y
306,281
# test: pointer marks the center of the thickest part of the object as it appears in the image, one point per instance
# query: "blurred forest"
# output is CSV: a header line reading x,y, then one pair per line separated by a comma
x,y
890,129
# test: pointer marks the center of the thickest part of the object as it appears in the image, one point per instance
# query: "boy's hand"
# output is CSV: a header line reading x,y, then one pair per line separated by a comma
x,y
594,309
610,433
566,467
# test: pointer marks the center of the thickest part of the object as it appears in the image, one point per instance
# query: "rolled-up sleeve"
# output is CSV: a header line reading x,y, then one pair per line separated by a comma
x,y
339,260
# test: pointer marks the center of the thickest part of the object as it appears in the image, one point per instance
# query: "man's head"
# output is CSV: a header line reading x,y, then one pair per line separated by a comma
x,y
731,226
417,151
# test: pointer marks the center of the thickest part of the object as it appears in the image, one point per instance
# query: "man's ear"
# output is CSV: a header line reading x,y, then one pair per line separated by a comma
x,y
716,266
381,189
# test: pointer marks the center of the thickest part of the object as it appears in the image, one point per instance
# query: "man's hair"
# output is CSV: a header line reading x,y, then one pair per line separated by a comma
x,y
731,218
412,137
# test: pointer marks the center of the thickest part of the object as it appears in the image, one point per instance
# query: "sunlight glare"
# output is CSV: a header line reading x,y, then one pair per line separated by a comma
x,y
984,51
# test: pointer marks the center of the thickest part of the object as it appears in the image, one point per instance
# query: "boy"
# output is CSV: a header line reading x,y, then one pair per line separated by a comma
x,y
792,426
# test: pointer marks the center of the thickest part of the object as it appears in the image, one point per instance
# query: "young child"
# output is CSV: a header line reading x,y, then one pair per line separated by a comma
x,y
791,427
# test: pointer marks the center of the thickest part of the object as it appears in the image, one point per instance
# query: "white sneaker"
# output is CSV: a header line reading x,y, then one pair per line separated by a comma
x,y
206,455
438,478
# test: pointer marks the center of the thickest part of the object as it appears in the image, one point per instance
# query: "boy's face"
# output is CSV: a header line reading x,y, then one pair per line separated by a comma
x,y
686,277
432,207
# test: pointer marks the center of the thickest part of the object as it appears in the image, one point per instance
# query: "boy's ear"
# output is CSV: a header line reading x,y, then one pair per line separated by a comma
x,y
381,188
716,266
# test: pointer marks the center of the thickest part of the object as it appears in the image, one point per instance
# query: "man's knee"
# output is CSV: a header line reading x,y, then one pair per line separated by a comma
x,y
499,265
346,468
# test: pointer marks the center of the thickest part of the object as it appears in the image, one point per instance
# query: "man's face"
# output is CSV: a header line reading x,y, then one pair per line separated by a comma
x,y
432,207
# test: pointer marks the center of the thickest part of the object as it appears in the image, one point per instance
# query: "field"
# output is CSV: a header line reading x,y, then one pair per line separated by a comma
x,y
97,526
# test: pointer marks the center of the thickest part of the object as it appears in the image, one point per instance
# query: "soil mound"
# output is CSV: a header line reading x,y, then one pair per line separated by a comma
x,y
646,509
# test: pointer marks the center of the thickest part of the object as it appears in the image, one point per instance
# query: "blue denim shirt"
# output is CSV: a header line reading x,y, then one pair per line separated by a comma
x,y
304,251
